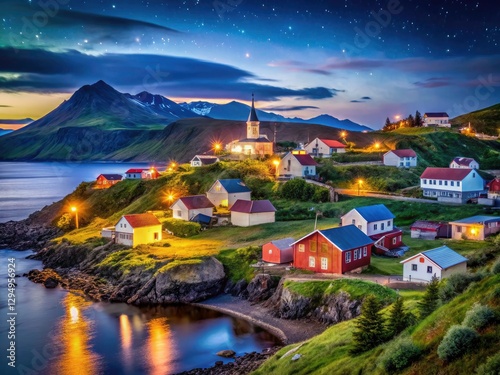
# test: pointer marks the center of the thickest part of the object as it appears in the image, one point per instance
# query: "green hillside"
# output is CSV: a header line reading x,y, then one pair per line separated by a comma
x,y
486,120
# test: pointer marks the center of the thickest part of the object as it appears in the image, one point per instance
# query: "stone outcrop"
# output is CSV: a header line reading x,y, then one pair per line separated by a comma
x,y
261,287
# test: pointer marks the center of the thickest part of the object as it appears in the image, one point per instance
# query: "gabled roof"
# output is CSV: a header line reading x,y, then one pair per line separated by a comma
x,y
206,159
443,257
141,220
424,224
262,139
202,219
136,170
234,186
376,212
478,219
455,174
252,207
345,238
404,153
111,177
305,160
436,114
284,243
253,115
195,201
331,143
463,161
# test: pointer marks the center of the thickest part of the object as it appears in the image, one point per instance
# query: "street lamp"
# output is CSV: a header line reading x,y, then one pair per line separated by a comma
x,y
276,164
74,209
343,134
217,148
360,182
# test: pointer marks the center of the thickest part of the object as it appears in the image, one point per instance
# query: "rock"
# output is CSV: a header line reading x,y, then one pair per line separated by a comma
x,y
50,283
296,357
219,363
240,289
261,287
226,353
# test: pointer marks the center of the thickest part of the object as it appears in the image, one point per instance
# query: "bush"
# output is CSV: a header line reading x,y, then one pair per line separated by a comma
x,y
496,268
491,367
456,342
64,222
478,317
181,228
399,355
456,284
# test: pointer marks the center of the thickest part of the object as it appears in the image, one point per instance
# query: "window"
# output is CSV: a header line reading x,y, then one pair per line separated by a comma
x,y
400,239
434,182
388,223
459,229
353,221
440,182
375,226
452,183
124,225
394,240
324,247
270,251
429,269
382,226
324,263
312,246
425,181
312,262
179,213
359,226
446,183
156,236
458,183
473,175
355,254
365,251
348,257
302,247
413,267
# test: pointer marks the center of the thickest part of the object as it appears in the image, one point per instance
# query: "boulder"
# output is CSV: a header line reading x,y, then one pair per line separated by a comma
x,y
226,353
50,283
261,287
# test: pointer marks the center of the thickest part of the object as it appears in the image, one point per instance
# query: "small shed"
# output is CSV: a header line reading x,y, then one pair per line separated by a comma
x,y
106,180
247,213
430,230
278,251
440,262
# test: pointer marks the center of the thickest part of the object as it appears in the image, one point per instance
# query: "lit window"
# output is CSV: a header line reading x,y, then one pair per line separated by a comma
x,y
270,251
312,246
302,247
324,247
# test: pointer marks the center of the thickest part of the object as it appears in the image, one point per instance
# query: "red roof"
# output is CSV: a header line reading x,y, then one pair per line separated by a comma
x,y
455,174
252,207
404,153
142,220
196,201
395,231
136,170
463,161
305,159
332,143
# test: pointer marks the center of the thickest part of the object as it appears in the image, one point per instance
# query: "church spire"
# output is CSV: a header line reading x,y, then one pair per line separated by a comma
x,y
253,114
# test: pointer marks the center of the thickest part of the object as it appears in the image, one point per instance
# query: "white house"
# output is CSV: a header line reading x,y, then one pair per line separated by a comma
x,y
297,164
137,229
377,222
465,163
186,208
440,262
401,158
247,213
225,192
440,119
454,185
199,160
324,148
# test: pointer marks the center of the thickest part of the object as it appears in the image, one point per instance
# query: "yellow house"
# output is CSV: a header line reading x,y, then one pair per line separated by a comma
x,y
137,229
475,227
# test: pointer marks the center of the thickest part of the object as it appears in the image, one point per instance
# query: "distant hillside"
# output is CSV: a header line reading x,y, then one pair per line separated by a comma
x,y
239,112
486,120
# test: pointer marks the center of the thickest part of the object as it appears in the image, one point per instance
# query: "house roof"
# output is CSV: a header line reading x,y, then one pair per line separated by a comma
x,y
463,161
494,185
206,159
252,207
436,114
478,219
263,139
345,238
375,212
136,170
142,220
442,256
404,153
383,234
284,243
195,201
424,224
111,177
455,174
305,160
202,219
333,144
234,186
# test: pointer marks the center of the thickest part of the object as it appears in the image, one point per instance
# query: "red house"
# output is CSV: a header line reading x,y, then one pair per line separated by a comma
x,y
279,251
105,181
334,250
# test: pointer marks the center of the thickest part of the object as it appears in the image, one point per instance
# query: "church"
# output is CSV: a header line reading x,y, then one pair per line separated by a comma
x,y
254,143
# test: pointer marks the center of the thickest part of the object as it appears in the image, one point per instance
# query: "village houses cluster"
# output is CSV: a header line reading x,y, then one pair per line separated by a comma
x,y
363,231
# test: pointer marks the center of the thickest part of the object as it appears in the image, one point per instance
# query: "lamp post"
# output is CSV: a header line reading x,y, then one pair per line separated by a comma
x,y
217,148
75,210
276,164
360,182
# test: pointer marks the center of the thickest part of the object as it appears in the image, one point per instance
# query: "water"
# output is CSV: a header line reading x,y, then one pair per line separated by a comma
x,y
26,187
60,332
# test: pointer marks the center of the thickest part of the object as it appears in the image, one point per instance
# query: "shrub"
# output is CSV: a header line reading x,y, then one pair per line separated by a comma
x,y
430,300
64,222
456,342
369,330
478,317
491,367
496,268
399,355
181,228
456,284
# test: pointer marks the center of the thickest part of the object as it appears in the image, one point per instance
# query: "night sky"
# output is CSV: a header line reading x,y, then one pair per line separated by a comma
x,y
362,60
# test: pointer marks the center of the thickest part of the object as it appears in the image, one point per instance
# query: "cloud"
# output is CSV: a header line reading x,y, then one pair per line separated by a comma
x,y
36,70
434,82
357,101
366,98
289,108
298,66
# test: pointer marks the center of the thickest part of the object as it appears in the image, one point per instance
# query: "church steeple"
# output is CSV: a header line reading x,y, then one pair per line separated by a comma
x,y
253,122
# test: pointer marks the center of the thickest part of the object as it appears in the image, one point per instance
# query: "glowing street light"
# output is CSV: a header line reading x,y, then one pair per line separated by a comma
x,y
217,147
343,134
74,209
360,182
277,164
377,145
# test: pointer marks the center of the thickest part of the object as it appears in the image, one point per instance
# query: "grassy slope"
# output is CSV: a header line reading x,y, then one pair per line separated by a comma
x,y
486,120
